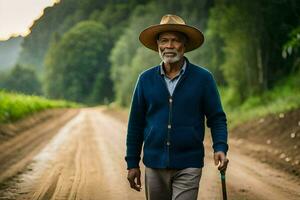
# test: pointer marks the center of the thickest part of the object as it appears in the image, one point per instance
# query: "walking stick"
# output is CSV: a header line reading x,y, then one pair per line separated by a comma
x,y
223,184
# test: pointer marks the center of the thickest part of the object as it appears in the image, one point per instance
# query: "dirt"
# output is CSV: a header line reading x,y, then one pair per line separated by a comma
x,y
10,130
18,146
83,158
274,139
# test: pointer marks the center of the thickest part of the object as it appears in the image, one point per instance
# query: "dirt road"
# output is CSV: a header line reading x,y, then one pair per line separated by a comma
x,y
85,160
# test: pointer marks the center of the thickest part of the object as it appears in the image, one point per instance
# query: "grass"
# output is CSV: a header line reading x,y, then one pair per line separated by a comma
x,y
285,96
14,106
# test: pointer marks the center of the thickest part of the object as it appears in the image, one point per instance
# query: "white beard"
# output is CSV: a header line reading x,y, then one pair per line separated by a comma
x,y
169,59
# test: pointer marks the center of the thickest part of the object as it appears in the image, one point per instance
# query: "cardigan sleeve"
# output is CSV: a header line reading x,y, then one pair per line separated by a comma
x,y
136,125
216,117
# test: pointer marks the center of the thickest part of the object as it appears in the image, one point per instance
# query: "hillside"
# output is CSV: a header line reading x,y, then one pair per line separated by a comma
x,y
273,139
9,52
98,42
60,18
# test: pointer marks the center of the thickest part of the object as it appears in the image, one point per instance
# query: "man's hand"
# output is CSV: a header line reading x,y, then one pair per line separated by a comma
x,y
221,160
135,173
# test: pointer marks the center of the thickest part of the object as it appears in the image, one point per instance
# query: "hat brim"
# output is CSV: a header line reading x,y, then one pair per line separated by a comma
x,y
148,37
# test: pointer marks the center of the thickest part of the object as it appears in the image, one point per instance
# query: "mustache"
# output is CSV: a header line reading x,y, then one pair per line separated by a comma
x,y
169,51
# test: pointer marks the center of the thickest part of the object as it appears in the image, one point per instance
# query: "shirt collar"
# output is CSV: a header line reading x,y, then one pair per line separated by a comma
x,y
162,72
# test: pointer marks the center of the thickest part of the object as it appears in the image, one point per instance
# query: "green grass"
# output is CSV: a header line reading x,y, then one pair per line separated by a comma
x,y
283,97
14,106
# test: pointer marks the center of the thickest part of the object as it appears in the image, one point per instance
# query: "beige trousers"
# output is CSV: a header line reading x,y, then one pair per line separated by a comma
x,y
172,184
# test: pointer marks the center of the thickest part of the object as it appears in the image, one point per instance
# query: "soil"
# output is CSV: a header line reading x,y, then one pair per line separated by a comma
x,y
80,155
21,141
10,130
274,139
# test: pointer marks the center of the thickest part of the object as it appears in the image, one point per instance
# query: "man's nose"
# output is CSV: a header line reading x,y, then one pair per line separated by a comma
x,y
169,45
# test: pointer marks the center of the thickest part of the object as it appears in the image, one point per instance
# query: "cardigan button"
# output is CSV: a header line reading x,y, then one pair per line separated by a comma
x,y
168,143
169,126
170,100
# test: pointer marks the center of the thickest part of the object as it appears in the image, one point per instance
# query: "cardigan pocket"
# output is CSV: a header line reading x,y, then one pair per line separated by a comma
x,y
154,138
185,138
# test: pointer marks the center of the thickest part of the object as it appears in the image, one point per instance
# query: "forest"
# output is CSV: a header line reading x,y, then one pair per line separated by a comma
x,y
89,52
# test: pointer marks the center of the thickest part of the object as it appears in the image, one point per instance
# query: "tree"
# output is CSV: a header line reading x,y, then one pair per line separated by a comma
x,y
291,49
58,19
124,71
23,80
74,63
129,57
253,34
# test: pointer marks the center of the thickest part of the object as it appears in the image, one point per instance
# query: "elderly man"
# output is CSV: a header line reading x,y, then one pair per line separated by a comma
x,y
167,115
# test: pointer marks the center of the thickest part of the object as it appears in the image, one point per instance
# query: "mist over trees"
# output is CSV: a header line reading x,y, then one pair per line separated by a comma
x,y
88,51
21,79
9,52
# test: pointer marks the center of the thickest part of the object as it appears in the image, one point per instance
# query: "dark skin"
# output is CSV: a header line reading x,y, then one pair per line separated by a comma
x,y
172,40
134,178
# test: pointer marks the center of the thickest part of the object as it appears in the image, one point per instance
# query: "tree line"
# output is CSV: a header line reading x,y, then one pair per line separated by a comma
x,y
88,51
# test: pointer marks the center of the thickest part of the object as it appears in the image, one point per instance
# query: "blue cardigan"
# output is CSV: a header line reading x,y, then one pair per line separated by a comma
x,y
172,127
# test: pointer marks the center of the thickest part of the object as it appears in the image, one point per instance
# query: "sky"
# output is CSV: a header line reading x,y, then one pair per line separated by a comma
x,y
17,16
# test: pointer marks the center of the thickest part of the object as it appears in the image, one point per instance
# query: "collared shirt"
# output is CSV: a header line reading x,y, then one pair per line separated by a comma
x,y
171,83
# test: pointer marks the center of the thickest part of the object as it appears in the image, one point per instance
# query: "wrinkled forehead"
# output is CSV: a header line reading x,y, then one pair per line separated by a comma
x,y
171,34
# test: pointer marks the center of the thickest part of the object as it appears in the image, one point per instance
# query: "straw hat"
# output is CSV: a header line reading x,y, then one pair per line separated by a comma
x,y
148,37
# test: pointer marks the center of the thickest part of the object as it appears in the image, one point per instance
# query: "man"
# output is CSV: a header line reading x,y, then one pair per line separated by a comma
x,y
167,115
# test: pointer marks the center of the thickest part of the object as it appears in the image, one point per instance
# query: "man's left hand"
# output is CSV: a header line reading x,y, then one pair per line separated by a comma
x,y
221,160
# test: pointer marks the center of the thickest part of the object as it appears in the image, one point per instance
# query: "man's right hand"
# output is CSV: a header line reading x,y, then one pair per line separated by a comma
x,y
135,173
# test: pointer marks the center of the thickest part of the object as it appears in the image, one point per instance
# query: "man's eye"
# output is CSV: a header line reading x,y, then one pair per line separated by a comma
x,y
163,41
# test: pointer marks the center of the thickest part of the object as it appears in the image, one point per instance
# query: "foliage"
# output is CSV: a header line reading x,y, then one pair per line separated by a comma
x,y
249,46
129,58
123,71
291,49
3,77
75,61
283,97
21,79
59,19
56,20
252,43
14,106
236,26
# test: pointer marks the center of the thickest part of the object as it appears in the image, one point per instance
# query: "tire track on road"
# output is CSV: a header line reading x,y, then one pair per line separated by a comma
x,y
85,161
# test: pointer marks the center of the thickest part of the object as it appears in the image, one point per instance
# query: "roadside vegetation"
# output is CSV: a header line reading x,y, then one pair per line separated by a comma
x,y
14,106
285,96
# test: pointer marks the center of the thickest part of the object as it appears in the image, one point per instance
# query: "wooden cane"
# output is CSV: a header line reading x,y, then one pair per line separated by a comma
x,y
223,184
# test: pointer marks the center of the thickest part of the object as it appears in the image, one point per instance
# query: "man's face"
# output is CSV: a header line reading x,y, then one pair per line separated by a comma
x,y
171,46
